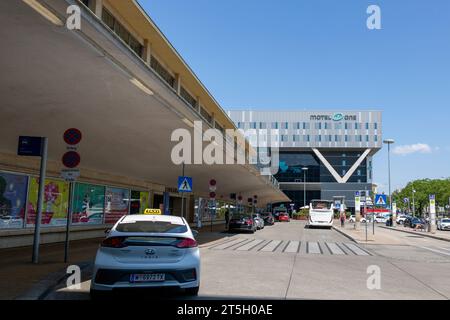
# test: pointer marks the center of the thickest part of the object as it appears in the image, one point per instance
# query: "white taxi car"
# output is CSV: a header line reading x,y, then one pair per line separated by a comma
x,y
144,251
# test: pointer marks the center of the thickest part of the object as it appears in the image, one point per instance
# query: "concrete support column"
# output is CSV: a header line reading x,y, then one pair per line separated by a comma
x,y
178,83
198,104
147,54
98,8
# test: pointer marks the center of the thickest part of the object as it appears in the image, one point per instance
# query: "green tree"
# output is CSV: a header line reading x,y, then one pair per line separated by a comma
x,y
439,187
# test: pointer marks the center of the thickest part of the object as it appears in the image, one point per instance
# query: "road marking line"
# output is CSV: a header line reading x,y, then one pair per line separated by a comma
x,y
313,247
446,249
435,250
228,244
334,248
287,244
355,249
292,247
249,246
271,246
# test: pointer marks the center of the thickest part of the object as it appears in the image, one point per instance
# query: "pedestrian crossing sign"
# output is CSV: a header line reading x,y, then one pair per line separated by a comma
x,y
184,184
381,200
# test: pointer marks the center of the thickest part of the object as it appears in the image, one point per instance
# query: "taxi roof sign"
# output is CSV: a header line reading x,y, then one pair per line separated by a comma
x,y
152,211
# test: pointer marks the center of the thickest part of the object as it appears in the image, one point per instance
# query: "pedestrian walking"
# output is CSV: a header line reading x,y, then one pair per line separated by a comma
x,y
342,218
227,218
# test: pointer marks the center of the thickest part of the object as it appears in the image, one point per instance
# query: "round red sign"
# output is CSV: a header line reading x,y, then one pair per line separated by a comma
x,y
71,159
72,136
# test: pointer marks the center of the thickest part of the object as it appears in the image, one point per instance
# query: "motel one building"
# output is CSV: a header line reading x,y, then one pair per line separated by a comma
x,y
328,153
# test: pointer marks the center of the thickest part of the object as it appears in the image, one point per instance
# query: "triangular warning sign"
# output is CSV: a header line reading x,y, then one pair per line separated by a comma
x,y
381,201
185,186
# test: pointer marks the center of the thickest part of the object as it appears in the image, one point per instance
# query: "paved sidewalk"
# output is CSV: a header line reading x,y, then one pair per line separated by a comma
x,y
19,277
381,236
439,235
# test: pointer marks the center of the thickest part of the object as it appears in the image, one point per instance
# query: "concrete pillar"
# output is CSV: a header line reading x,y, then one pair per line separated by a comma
x,y
147,54
98,8
178,83
198,104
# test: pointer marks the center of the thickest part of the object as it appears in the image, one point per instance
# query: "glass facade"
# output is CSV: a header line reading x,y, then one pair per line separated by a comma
x,y
291,164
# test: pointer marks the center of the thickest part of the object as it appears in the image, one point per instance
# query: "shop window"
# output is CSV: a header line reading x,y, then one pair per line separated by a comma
x,y
139,202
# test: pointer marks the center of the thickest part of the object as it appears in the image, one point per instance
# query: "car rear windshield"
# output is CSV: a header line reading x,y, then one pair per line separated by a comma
x,y
151,227
240,217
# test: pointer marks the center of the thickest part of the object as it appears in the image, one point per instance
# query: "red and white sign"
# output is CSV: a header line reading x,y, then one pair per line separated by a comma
x,y
71,159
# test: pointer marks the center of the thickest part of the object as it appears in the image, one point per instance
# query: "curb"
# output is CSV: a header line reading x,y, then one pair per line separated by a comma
x,y
41,289
345,234
417,233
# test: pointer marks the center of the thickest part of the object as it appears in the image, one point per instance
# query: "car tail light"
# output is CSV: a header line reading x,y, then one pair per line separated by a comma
x,y
249,221
187,243
114,242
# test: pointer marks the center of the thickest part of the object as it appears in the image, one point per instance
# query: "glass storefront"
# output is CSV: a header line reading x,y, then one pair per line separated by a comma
x,y
13,195
88,204
55,205
116,204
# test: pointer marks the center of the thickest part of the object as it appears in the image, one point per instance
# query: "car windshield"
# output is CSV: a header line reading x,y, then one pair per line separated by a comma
x,y
446,220
320,205
151,227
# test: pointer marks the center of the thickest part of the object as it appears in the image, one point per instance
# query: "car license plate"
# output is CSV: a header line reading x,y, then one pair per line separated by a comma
x,y
147,277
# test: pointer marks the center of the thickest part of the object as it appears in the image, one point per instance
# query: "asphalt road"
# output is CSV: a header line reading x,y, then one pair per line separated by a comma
x,y
288,261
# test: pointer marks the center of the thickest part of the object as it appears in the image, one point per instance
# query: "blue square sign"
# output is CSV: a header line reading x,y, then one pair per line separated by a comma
x,y
184,184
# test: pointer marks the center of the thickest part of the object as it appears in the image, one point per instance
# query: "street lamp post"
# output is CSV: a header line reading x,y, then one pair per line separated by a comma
x,y
389,142
304,185
413,204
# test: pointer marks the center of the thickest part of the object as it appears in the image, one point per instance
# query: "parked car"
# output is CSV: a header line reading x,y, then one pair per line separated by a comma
x,y
277,212
147,251
413,222
283,216
353,219
401,218
380,219
259,221
269,220
242,222
443,224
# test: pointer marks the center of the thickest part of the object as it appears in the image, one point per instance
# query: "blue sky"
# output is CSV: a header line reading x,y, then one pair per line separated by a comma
x,y
319,54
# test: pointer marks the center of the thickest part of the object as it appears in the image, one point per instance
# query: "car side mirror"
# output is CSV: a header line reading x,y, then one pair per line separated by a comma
x,y
195,233
107,231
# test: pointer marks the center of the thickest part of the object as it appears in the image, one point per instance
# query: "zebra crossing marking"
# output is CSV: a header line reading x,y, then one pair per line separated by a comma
x,y
249,245
313,247
295,246
356,250
271,246
334,248
292,247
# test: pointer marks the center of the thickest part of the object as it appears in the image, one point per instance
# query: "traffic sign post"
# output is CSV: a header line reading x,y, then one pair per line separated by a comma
x,y
36,147
432,198
357,209
71,159
381,200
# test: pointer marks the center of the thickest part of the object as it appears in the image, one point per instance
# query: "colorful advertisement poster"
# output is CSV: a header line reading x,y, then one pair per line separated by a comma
x,y
116,204
56,202
88,204
13,192
144,197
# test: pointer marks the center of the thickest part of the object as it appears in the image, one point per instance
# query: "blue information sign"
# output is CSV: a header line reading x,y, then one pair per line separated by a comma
x,y
30,146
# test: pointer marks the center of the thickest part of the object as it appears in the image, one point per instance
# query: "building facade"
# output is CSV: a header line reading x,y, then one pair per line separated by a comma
x,y
322,154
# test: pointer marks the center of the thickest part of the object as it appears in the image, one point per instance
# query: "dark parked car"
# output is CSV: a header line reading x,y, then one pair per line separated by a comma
x,y
242,222
413,222
269,220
